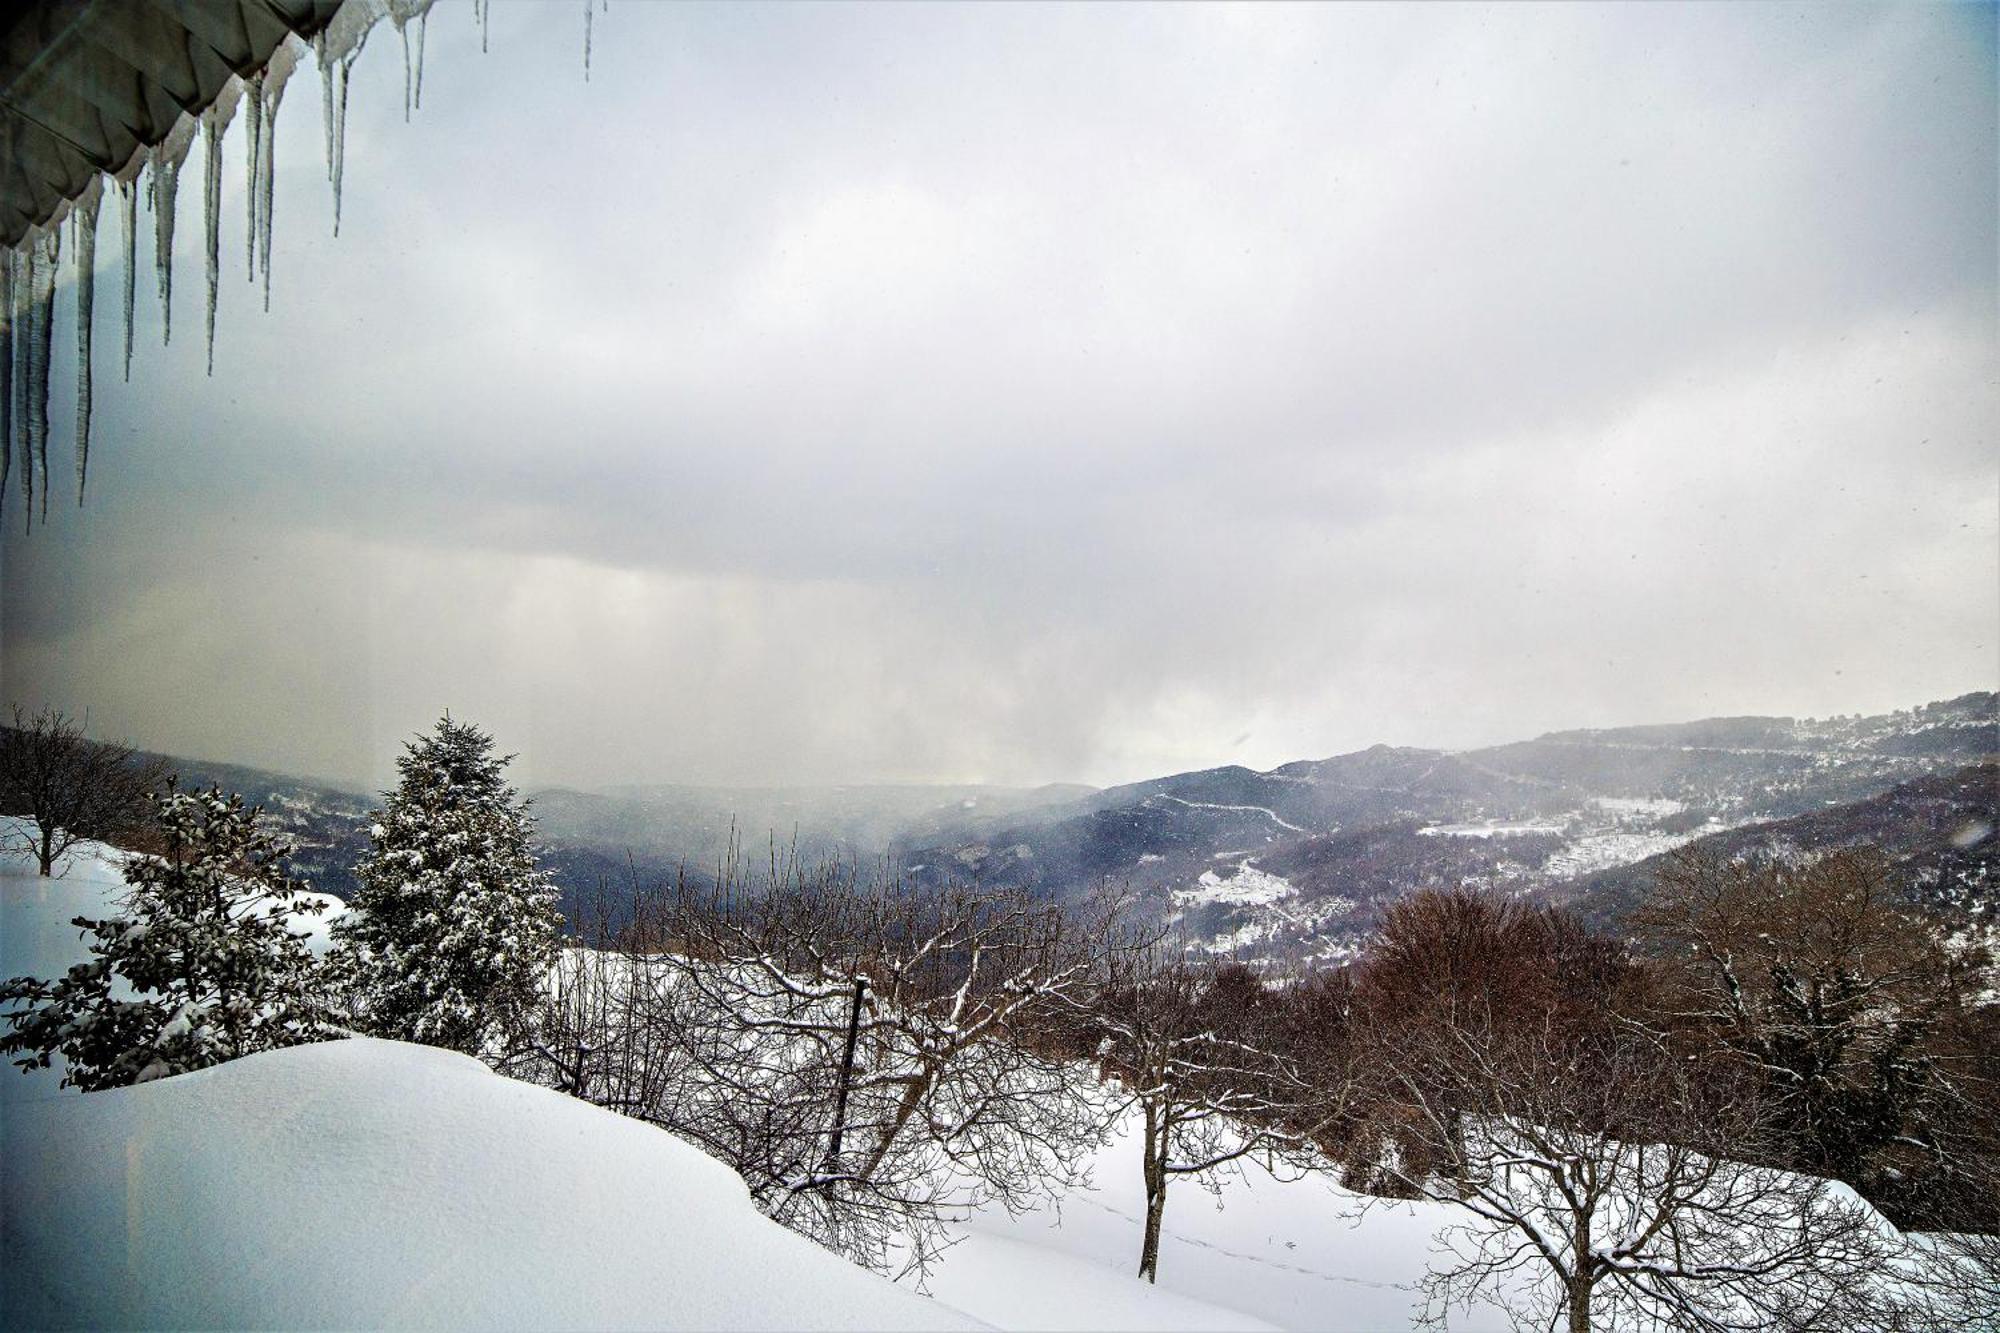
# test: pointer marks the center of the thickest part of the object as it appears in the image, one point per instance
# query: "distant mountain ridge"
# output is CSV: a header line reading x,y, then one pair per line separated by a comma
x,y
1941,829
1282,865
1297,862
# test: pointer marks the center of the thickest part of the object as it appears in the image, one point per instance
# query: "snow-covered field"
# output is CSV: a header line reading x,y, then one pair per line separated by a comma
x,y
1263,1253
366,1183
1602,851
1494,829
1644,807
1248,887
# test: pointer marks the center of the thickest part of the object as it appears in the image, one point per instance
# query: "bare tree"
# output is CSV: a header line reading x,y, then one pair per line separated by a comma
x,y
69,787
1198,1051
1858,1016
870,1059
1954,1283
1587,1202
1602,1177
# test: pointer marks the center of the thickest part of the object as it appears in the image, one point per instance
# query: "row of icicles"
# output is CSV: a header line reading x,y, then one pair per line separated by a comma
x,y
28,275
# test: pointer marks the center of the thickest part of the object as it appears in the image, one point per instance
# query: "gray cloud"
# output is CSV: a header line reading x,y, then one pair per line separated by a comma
x,y
1037,393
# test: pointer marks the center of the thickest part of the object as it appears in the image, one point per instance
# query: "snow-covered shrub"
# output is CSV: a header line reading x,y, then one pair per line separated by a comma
x,y
455,926
871,1058
205,948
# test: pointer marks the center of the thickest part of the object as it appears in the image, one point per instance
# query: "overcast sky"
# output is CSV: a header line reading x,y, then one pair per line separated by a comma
x,y
1022,394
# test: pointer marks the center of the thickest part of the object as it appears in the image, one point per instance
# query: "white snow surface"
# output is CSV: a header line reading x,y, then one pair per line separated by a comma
x,y
1248,887
1261,1253
1651,807
1491,829
366,1183
1602,851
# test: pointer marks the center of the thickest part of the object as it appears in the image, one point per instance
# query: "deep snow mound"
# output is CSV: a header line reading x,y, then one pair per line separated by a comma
x,y
369,1183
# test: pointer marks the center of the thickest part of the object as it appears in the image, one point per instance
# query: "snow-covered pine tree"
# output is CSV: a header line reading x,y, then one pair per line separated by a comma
x,y
205,950
454,926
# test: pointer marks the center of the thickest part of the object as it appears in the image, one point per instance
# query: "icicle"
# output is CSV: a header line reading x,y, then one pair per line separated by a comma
x,y
166,160
44,257
277,72
423,28
325,96
341,133
346,68
589,7
404,33
23,259
85,214
267,194
400,14
339,46
214,123
128,212
253,153
24,369
6,371
484,10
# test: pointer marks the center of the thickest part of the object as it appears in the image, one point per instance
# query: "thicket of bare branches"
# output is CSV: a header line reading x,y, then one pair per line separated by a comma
x,y
69,787
870,1059
1624,1135
1604,1179
1858,1017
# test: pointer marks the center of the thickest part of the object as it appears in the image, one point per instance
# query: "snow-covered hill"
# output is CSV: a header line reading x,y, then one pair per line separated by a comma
x,y
1260,1252
365,1183
362,1183
1298,862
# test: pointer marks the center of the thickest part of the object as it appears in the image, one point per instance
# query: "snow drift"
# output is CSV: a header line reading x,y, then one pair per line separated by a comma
x,y
367,1183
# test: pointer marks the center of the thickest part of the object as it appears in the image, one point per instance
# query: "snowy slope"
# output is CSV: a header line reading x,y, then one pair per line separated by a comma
x,y
315,1182
1021,1284
362,1183
1275,1254
367,1183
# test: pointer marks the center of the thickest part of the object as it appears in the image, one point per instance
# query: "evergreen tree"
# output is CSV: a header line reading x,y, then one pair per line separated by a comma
x,y
454,926
205,951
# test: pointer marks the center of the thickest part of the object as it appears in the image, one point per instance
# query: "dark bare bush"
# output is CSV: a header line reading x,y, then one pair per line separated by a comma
x,y
1603,1178
69,788
1860,1019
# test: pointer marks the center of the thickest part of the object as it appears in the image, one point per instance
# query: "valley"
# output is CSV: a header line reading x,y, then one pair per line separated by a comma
x,y
1294,865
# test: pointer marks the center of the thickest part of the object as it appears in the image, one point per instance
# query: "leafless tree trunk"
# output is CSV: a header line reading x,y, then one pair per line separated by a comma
x,y
1157,1151
1198,1051
69,787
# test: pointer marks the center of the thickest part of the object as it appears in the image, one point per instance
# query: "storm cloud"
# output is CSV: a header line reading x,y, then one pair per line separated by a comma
x,y
1062,393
